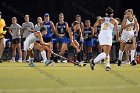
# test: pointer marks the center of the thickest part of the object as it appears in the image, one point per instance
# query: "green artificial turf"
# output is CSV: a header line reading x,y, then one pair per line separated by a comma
x,y
67,78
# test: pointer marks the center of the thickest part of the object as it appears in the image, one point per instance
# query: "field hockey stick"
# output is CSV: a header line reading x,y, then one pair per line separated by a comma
x,y
59,55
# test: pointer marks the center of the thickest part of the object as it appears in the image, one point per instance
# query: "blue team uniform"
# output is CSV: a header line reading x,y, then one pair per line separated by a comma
x,y
89,40
61,28
48,36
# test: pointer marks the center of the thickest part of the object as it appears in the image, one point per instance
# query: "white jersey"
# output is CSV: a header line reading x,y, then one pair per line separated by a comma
x,y
29,42
105,35
128,33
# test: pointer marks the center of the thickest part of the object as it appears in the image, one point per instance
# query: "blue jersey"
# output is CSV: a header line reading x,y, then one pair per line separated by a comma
x,y
61,28
88,32
75,34
48,28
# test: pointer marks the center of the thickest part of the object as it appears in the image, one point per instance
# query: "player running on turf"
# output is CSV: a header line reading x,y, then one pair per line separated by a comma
x,y
30,43
69,38
105,37
129,26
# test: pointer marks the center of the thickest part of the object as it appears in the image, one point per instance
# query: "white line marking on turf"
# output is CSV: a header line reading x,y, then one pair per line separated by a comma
x,y
67,89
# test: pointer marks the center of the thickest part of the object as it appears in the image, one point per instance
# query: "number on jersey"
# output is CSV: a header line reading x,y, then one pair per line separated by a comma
x,y
105,26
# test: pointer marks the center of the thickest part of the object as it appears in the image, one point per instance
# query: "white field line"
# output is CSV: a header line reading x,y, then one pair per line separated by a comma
x,y
67,89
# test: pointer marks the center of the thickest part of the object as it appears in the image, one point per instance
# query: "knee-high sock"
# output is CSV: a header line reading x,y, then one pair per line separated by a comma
x,y
107,61
43,54
132,55
31,60
120,55
100,57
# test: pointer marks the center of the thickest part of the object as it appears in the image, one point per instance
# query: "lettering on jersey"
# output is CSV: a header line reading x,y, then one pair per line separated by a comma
x,y
105,26
61,28
14,28
47,26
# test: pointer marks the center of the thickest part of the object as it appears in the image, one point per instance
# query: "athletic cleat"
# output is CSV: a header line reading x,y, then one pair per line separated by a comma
x,y
19,60
92,64
133,63
12,60
47,62
52,63
108,68
119,62
32,65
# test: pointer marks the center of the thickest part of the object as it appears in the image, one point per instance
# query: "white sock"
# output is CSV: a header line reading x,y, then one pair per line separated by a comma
x,y
107,61
20,58
132,55
100,57
13,58
43,54
120,55
31,60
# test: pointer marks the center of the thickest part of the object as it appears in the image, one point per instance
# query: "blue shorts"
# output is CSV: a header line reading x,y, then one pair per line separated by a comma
x,y
89,43
95,42
54,40
59,40
66,40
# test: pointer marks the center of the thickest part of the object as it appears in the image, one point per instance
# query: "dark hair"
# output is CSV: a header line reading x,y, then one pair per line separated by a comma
x,y
42,29
109,12
75,23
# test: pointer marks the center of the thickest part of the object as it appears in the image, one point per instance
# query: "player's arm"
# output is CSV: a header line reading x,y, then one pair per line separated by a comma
x,y
82,27
92,32
67,26
22,30
136,25
53,27
47,46
95,25
4,27
70,35
32,28
81,36
38,34
57,30
123,25
10,31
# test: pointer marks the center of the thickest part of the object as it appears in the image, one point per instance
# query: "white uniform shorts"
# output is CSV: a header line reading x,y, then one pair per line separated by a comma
x,y
127,35
28,46
105,39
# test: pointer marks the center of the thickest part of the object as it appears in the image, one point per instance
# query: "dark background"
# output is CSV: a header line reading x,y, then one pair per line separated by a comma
x,y
88,9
